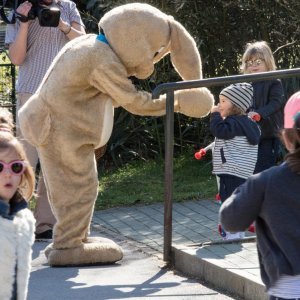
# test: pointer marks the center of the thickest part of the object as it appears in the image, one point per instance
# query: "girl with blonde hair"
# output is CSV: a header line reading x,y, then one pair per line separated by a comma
x,y
268,102
17,223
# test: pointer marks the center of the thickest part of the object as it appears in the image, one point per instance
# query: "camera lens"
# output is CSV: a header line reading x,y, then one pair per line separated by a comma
x,y
49,17
46,15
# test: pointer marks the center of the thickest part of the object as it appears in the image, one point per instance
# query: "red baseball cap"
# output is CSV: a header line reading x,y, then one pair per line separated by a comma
x,y
291,110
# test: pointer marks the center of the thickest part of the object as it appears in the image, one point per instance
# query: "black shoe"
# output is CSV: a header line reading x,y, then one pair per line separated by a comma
x,y
44,236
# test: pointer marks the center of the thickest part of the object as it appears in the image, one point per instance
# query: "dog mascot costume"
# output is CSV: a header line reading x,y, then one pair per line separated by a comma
x,y
72,113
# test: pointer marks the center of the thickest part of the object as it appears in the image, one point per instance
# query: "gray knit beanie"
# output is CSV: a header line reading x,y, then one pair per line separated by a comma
x,y
240,94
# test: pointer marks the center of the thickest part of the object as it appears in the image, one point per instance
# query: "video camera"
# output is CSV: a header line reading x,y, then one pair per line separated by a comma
x,y
48,16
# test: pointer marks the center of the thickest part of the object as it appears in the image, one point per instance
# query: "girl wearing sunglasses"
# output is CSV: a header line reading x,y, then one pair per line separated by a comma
x,y
268,102
16,220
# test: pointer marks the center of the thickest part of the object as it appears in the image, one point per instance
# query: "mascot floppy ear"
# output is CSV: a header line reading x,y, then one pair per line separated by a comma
x,y
187,62
184,53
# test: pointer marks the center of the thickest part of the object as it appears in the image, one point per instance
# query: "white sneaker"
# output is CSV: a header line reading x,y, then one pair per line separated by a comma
x,y
232,236
242,234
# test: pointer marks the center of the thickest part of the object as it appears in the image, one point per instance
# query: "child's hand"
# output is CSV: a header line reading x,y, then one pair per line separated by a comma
x,y
215,108
254,116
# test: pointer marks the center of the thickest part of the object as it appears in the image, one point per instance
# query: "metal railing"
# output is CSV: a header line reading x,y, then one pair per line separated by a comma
x,y
169,89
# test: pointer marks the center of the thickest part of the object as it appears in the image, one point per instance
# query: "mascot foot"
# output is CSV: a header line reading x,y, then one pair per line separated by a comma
x,y
94,251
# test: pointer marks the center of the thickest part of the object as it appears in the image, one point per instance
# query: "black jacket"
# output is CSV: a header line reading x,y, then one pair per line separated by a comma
x,y
268,101
271,198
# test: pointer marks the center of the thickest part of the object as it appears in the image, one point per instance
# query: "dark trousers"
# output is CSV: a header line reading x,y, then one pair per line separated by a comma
x,y
268,152
228,183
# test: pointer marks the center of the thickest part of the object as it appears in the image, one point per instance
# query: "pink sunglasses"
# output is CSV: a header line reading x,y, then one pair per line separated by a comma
x,y
16,167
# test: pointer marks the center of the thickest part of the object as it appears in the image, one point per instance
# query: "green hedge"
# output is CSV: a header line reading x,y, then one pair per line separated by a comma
x,y
221,29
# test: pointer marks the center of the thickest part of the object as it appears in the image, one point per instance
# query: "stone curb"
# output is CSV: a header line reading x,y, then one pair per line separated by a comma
x,y
192,262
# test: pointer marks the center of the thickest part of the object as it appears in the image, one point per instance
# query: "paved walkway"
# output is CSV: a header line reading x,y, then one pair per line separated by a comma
x,y
137,276
197,249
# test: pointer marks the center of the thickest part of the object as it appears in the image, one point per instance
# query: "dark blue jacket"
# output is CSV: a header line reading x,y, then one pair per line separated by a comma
x,y
268,101
271,198
8,210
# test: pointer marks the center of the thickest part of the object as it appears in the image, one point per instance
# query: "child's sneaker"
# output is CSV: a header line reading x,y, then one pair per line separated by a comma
x,y
228,235
218,198
242,234
45,236
232,236
222,232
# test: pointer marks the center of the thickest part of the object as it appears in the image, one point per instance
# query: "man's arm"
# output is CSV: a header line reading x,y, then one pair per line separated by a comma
x,y
71,31
74,26
17,50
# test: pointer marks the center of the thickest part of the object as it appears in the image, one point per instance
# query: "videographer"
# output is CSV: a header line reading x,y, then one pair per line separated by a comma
x,y
33,47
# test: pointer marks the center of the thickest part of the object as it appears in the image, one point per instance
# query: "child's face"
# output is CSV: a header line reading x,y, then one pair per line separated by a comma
x,y
225,106
256,65
9,182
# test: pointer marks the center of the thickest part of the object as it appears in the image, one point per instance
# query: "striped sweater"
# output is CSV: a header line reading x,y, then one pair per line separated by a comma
x,y
236,145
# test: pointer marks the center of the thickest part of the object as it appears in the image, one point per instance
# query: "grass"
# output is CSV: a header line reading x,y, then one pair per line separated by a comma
x,y
143,182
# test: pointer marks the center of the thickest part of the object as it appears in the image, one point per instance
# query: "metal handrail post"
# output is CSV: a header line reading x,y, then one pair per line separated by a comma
x,y
169,89
169,149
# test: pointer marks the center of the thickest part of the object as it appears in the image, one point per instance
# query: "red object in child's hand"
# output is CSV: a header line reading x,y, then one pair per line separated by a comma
x,y
252,228
200,154
256,118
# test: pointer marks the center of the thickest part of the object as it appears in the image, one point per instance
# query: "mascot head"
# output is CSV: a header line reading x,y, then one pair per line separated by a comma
x,y
141,35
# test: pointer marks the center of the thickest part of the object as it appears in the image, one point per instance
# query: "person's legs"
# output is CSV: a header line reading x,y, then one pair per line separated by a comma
x,y
266,156
228,184
45,219
71,178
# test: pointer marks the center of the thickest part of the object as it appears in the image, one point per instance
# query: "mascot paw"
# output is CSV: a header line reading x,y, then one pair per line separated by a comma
x,y
195,103
93,251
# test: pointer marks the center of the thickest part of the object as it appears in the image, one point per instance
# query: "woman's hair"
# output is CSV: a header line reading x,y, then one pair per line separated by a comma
x,y
9,143
258,50
293,135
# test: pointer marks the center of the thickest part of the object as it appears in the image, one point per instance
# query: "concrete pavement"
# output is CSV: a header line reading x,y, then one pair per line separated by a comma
x,y
197,248
137,276
197,251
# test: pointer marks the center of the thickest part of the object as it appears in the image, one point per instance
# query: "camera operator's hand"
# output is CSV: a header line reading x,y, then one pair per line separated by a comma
x,y
71,31
24,8
18,49
64,26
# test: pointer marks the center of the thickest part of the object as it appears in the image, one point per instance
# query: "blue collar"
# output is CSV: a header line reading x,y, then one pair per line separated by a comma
x,y
101,37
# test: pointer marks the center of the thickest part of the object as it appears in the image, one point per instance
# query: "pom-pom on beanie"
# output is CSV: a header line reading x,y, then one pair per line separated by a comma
x,y
240,94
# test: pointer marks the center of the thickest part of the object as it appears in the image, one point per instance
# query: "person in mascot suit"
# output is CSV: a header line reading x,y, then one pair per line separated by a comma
x,y
72,112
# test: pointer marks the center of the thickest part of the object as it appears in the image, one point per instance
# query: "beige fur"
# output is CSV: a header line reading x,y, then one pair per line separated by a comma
x,y
92,251
71,114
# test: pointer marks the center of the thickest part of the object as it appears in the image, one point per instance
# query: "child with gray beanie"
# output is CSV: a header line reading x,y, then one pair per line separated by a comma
x,y
271,199
236,141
